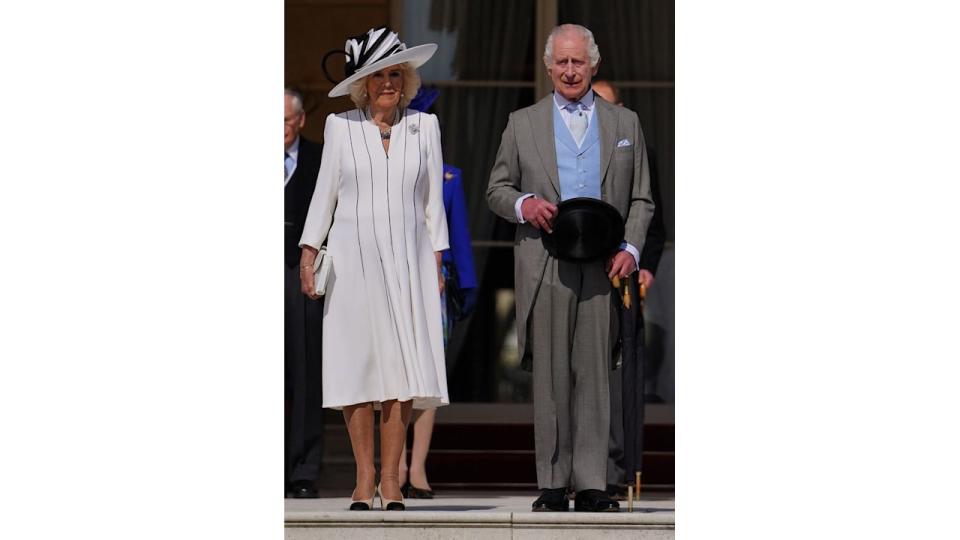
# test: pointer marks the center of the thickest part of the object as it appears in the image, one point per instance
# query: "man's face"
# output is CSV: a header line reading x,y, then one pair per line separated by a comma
x,y
292,122
570,68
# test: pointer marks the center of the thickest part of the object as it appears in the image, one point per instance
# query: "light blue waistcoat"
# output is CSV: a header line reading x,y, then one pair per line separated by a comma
x,y
579,168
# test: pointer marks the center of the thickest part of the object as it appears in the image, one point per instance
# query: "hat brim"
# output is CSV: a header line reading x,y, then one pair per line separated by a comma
x,y
584,230
415,56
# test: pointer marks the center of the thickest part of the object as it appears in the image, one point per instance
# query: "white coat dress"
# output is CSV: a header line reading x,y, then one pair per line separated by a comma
x,y
381,216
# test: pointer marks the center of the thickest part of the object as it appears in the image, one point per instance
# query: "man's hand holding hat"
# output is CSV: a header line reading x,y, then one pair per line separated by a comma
x,y
539,213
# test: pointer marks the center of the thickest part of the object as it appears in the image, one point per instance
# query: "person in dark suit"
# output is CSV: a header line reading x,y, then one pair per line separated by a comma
x,y
649,259
302,316
657,233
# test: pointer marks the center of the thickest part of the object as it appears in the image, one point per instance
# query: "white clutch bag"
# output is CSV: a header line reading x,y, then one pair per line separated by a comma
x,y
322,267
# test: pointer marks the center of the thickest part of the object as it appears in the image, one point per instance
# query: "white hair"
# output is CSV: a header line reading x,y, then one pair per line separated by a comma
x,y
592,50
296,100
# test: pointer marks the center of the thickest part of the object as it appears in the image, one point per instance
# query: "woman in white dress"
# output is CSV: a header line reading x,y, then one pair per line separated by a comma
x,y
378,207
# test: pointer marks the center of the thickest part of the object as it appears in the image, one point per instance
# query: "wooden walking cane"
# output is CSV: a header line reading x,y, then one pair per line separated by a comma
x,y
625,291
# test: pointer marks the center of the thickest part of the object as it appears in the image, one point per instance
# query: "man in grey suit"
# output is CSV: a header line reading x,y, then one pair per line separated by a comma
x,y
570,145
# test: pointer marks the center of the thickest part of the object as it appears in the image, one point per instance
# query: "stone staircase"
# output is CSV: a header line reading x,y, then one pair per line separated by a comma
x,y
470,516
479,446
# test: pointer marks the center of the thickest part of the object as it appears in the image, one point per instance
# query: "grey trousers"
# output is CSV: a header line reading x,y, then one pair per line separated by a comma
x,y
570,335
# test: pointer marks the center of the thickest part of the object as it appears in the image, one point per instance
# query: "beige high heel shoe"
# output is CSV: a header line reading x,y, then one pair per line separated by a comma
x,y
390,504
362,504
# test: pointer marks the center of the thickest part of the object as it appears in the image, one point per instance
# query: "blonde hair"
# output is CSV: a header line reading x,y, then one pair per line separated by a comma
x,y
411,84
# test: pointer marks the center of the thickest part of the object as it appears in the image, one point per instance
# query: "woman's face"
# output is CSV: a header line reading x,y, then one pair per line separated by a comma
x,y
384,87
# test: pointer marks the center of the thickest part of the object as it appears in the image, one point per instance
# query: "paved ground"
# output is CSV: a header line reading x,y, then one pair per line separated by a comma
x,y
471,501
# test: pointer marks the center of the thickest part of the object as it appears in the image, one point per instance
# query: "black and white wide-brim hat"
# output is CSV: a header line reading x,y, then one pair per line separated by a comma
x,y
373,51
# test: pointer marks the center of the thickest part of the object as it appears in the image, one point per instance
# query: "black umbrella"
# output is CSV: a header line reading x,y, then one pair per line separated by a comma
x,y
631,373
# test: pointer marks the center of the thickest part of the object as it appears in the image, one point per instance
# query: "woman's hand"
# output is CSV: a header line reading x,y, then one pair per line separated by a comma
x,y
439,255
307,257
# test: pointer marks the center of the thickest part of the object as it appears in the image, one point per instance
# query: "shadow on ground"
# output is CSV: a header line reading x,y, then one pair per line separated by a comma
x,y
449,507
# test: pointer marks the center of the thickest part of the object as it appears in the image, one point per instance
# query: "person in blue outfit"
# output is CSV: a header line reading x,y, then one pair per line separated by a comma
x,y
460,293
458,298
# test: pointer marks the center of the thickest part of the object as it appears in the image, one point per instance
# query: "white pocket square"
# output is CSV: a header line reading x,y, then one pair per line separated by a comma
x,y
623,142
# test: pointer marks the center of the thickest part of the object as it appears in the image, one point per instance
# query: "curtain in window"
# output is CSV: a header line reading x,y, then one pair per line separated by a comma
x,y
636,41
494,42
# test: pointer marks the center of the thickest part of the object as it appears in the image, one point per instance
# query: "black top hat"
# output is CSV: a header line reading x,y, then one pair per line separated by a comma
x,y
584,230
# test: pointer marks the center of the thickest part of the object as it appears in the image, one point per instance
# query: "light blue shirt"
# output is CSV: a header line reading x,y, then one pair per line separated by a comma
x,y
290,163
586,107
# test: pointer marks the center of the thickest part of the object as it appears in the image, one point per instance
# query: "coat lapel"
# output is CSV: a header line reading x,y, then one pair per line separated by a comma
x,y
609,121
542,120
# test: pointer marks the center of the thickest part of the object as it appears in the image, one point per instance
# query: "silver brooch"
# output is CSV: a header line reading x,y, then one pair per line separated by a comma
x,y
414,129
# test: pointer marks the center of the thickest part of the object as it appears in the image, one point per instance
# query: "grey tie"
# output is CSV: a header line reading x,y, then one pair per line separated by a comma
x,y
578,122
286,167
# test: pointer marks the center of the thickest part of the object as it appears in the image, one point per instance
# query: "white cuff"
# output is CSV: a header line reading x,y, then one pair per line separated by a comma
x,y
516,206
633,251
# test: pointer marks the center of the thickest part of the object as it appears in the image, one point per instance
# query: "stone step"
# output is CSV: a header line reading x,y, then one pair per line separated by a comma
x,y
470,515
519,467
657,437
469,450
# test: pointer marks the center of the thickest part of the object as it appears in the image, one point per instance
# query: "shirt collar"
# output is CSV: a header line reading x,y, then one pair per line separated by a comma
x,y
586,102
294,148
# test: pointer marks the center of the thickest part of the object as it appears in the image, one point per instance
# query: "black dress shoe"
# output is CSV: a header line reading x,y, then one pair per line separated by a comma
x,y
410,491
552,500
617,492
303,489
594,500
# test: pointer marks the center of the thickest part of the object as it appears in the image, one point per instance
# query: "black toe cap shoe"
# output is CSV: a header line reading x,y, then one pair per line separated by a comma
x,y
552,500
410,491
303,489
617,492
594,500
